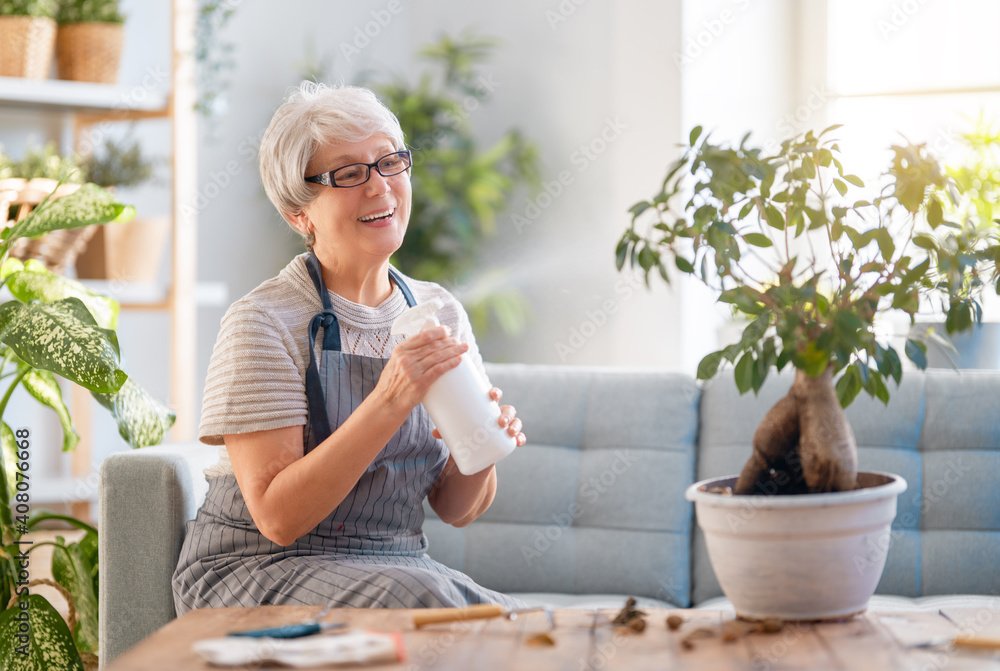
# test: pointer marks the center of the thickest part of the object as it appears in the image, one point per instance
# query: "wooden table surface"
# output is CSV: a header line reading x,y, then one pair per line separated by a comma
x,y
586,639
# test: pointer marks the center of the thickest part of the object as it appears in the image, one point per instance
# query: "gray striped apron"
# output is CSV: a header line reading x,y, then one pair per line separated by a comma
x,y
370,551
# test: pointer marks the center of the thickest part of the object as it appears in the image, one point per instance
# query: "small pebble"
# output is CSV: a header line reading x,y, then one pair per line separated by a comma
x,y
539,640
637,625
674,622
701,632
771,626
730,632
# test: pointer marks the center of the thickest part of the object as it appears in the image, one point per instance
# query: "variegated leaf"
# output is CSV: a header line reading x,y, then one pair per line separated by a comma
x,y
44,387
89,205
47,643
73,567
37,283
142,420
64,338
9,465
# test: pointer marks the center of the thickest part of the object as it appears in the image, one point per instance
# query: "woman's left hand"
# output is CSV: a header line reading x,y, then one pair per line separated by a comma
x,y
508,417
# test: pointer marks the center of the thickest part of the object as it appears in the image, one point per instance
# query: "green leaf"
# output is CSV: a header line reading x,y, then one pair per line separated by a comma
x,y
774,218
709,366
621,252
758,240
916,352
854,179
841,187
744,372
876,387
63,337
73,567
924,241
639,208
935,213
893,365
10,462
89,205
885,243
683,264
46,646
42,385
848,386
142,420
695,133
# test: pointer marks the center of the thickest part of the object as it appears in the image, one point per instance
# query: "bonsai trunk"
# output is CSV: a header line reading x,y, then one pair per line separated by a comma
x,y
804,443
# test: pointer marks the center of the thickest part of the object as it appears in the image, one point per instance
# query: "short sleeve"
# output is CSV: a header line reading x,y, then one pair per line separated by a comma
x,y
253,382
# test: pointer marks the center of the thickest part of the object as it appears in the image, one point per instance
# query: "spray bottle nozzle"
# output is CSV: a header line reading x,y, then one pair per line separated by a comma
x,y
417,318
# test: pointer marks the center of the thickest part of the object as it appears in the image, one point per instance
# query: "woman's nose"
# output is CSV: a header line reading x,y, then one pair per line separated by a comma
x,y
377,185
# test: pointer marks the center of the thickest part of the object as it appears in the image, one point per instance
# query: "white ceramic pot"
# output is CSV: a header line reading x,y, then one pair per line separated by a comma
x,y
798,557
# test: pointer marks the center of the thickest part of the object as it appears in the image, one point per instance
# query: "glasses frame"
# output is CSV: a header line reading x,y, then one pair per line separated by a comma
x,y
326,178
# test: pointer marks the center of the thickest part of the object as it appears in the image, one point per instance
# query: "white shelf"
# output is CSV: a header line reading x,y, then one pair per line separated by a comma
x,y
63,95
61,490
206,294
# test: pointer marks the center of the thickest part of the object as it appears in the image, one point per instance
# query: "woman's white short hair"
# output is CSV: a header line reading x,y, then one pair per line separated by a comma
x,y
314,115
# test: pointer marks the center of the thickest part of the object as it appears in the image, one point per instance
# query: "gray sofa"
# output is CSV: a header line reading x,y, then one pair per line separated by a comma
x,y
593,508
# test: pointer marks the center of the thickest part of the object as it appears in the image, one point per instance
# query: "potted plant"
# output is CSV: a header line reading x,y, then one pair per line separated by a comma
x,y
129,252
976,171
53,326
792,240
27,37
89,40
24,184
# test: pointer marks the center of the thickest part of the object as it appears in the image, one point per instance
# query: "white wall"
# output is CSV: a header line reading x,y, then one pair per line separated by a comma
x,y
591,82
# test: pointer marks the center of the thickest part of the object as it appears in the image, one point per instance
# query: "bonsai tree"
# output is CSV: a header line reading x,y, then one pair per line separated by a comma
x,y
52,326
791,240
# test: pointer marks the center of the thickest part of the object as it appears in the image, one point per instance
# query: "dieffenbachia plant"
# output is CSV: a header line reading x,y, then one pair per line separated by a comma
x,y
54,327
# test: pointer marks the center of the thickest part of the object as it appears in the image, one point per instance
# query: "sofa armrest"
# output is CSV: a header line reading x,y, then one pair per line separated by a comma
x,y
146,497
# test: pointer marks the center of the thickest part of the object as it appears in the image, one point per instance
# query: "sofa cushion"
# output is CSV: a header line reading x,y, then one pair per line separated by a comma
x,y
940,431
594,503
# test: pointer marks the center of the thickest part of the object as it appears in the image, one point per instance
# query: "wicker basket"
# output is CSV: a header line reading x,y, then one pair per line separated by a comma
x,y
27,44
89,52
56,249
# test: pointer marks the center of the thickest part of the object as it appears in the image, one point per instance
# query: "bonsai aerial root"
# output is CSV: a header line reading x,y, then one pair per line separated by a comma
x,y
803,445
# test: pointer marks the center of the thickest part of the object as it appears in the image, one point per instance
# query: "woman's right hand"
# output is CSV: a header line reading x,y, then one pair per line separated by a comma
x,y
416,363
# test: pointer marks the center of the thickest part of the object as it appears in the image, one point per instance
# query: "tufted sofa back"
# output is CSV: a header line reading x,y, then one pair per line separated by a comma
x,y
594,503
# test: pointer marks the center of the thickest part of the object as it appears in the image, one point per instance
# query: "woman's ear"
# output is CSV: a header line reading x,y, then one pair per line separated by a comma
x,y
300,222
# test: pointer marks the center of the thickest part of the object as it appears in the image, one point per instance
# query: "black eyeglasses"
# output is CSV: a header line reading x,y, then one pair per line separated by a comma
x,y
357,174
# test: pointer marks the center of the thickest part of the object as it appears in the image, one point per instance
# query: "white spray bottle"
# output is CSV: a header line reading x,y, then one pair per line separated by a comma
x,y
459,402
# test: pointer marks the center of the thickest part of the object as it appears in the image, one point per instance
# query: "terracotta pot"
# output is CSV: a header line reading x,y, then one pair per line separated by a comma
x,y
27,44
798,557
89,51
129,252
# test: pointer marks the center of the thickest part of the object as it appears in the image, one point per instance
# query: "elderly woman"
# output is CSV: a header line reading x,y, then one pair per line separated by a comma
x,y
327,453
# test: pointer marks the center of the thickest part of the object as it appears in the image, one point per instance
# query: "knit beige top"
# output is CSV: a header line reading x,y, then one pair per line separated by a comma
x,y
256,377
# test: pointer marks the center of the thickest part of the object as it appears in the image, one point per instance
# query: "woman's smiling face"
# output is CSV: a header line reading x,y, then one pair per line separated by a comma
x,y
368,220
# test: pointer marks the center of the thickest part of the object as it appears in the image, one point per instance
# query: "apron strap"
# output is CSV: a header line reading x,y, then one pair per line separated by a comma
x,y
319,421
398,279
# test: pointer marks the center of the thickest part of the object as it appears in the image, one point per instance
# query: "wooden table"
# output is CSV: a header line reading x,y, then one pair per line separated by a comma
x,y
586,639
